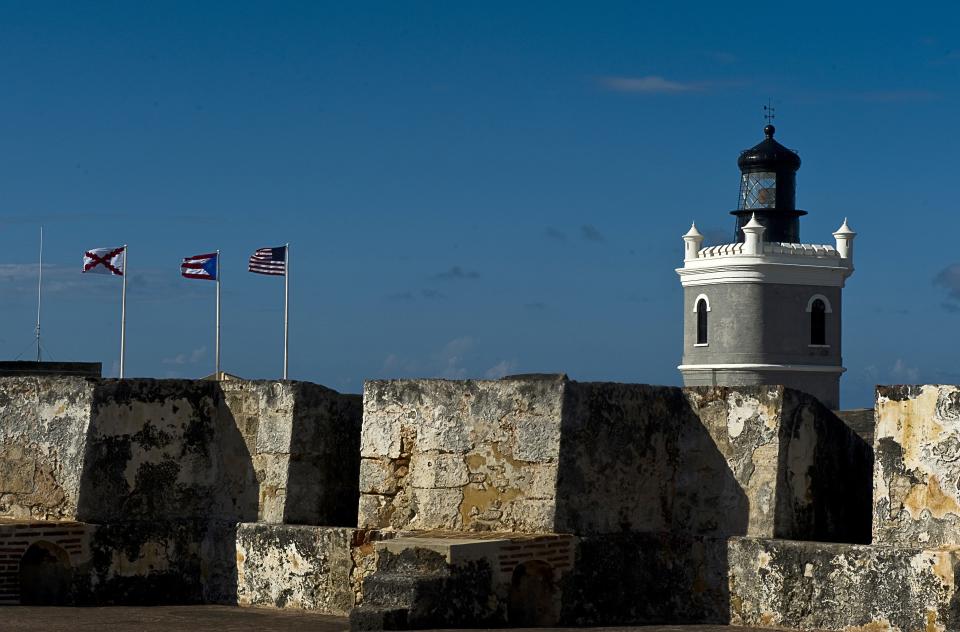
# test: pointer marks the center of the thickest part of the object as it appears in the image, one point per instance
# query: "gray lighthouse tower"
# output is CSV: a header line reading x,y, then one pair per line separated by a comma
x,y
765,309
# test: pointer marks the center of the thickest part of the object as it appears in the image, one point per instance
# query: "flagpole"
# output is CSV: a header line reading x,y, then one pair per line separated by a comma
x,y
39,293
216,374
286,309
123,311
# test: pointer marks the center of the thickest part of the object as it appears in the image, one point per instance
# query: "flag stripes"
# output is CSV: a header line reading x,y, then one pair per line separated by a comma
x,y
269,261
272,261
200,267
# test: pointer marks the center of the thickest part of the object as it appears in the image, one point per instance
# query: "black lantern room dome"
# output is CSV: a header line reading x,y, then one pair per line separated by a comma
x,y
768,189
768,155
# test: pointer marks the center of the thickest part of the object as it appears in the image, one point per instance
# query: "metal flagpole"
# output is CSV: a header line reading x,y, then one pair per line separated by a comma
x,y
216,374
123,312
286,308
39,293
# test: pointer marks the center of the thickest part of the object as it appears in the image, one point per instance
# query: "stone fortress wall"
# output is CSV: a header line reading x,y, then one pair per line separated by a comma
x,y
553,455
649,481
526,500
906,578
161,472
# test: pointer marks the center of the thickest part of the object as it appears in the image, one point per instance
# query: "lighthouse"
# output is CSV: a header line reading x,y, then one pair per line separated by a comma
x,y
766,308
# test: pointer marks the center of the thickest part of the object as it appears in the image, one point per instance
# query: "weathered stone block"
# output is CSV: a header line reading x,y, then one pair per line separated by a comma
x,y
709,461
288,566
438,470
377,476
540,454
637,578
473,448
817,586
442,428
916,493
275,404
536,438
436,509
158,562
43,438
138,449
16,474
380,436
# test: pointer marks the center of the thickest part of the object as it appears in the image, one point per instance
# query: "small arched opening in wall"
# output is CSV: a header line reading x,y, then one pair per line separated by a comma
x,y
533,595
818,307
46,576
701,306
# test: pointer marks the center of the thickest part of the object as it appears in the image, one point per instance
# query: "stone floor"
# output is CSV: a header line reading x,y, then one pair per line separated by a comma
x,y
213,619
165,619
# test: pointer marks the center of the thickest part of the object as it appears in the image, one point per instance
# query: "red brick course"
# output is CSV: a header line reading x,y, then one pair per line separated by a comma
x,y
16,538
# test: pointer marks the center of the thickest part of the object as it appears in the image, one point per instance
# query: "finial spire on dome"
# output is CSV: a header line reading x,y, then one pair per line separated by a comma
x,y
753,223
693,232
844,229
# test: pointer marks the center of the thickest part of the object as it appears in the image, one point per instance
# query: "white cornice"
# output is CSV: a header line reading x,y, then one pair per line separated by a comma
x,y
815,368
760,270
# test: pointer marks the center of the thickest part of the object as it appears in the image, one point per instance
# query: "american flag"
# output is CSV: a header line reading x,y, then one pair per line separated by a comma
x,y
269,261
201,266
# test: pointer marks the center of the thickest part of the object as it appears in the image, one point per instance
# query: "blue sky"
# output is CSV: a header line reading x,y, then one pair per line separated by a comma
x,y
470,189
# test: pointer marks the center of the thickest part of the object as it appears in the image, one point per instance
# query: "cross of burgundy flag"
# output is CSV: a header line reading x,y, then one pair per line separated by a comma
x,y
105,260
200,267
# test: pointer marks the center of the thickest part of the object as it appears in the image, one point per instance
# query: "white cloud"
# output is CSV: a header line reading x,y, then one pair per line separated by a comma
x,y
56,278
651,84
724,57
500,369
450,361
452,356
903,373
186,358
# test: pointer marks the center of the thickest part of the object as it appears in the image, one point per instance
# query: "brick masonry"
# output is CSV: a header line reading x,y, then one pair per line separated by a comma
x,y
16,537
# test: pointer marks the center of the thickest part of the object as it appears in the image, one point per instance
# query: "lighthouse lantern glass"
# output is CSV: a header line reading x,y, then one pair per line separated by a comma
x,y
758,190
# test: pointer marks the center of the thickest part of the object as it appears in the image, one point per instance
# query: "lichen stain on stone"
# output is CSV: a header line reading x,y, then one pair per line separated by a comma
x,y
769,619
910,423
942,567
475,462
931,497
801,457
152,557
932,624
480,498
763,560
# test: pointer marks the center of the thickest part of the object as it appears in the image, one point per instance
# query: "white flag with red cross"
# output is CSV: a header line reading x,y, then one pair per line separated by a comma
x,y
105,260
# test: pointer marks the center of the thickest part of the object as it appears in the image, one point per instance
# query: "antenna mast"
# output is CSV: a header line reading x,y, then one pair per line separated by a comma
x,y
39,292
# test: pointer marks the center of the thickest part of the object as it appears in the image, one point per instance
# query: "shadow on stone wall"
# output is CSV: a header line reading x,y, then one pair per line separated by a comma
x,y
167,476
323,476
825,481
643,484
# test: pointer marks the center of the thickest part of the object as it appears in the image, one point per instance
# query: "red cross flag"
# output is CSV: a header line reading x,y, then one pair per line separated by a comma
x,y
105,260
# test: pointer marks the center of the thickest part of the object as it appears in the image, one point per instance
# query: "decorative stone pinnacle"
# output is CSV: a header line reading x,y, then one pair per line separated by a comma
x,y
753,223
693,232
844,230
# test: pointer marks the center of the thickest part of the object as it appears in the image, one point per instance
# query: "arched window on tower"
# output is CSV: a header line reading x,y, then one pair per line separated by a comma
x,y
818,322
702,309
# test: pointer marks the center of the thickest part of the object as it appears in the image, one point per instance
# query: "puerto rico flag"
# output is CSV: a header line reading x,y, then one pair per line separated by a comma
x,y
201,266
105,260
